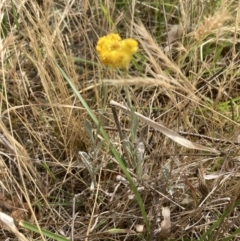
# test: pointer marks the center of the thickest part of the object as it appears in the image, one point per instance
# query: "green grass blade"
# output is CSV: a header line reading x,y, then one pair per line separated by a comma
x,y
106,13
42,231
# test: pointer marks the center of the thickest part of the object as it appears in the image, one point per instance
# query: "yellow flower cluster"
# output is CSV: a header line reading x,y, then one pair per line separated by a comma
x,y
115,52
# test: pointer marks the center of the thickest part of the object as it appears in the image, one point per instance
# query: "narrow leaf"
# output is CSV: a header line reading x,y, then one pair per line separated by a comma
x,y
167,132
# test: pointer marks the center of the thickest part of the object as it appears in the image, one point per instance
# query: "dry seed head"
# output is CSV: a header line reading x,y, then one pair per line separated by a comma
x,y
212,23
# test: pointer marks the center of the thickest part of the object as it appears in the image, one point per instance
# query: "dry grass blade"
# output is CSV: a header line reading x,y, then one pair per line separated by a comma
x,y
159,80
169,133
139,81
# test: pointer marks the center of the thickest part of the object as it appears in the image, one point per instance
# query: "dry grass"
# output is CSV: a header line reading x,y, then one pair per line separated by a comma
x,y
185,77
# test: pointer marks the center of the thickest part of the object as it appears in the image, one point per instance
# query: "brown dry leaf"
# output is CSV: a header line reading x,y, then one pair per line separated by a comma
x,y
4,202
174,32
165,224
202,187
167,132
19,214
192,189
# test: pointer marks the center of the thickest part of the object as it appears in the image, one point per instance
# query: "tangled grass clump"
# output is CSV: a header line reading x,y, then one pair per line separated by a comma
x,y
76,166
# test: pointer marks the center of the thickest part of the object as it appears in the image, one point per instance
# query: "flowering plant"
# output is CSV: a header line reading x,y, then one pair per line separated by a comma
x,y
115,52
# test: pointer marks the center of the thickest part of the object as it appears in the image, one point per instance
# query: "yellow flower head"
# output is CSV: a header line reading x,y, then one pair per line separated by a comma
x,y
115,52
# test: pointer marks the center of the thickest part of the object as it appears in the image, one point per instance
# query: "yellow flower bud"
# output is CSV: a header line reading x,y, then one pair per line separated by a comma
x,y
115,52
